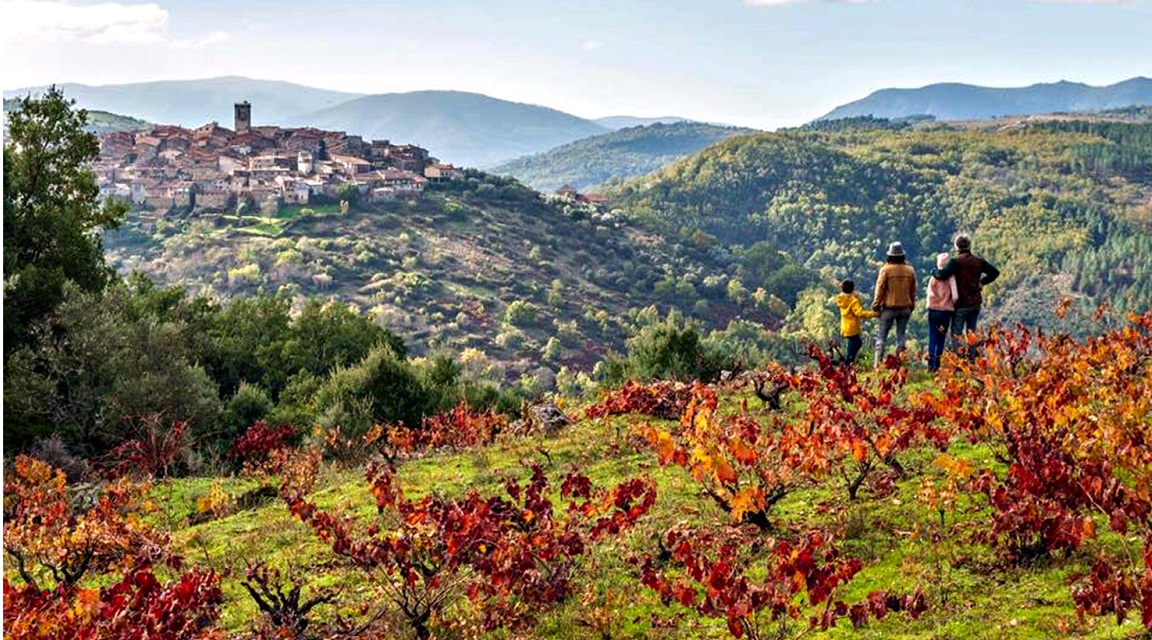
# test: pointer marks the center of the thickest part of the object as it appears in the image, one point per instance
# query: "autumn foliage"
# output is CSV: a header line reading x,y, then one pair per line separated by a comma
x,y
1061,428
52,541
860,424
714,578
666,399
57,546
747,463
743,467
1072,422
460,428
510,556
157,451
256,445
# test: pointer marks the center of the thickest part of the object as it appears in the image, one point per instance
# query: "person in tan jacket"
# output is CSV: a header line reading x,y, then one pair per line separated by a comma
x,y
894,299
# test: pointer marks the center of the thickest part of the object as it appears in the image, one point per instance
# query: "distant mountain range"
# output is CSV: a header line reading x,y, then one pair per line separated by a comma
x,y
952,101
623,122
472,129
463,128
620,154
191,103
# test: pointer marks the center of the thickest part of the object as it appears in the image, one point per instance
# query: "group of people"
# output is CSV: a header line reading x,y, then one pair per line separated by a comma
x,y
954,295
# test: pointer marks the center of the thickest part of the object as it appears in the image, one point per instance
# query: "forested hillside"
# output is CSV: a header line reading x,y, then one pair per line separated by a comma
x,y
621,154
1063,208
483,264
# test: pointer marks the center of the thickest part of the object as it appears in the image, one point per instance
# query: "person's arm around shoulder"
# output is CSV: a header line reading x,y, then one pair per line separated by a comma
x,y
988,272
881,290
947,272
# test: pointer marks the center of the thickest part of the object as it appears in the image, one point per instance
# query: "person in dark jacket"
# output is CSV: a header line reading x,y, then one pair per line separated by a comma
x,y
972,273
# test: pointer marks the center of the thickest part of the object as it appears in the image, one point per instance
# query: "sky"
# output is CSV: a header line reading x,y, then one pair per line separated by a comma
x,y
760,63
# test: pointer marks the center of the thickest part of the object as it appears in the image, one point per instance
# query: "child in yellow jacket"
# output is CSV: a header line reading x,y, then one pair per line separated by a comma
x,y
851,313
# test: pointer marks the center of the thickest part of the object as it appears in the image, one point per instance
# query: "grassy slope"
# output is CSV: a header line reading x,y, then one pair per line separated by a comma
x,y
975,599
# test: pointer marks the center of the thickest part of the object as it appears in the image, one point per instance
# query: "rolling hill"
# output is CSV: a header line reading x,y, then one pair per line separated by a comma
x,y
953,101
620,154
191,103
464,128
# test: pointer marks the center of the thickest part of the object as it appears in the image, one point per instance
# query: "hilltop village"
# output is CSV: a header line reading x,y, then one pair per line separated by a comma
x,y
215,168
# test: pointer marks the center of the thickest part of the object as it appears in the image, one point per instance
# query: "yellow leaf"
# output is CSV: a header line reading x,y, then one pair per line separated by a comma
x,y
749,500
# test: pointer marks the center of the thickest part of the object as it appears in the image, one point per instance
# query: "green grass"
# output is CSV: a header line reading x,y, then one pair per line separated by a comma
x,y
292,212
971,594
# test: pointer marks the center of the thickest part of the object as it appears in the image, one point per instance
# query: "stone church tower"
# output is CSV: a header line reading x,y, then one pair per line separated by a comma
x,y
243,117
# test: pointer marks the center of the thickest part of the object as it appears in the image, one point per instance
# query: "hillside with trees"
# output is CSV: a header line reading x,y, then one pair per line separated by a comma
x,y
478,291
624,153
481,264
1064,208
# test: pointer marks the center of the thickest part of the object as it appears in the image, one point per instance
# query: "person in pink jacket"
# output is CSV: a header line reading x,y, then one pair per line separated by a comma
x,y
942,295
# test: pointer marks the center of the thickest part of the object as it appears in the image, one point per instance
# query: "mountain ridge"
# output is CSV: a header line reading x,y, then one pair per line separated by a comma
x,y
625,122
192,103
624,153
962,101
462,127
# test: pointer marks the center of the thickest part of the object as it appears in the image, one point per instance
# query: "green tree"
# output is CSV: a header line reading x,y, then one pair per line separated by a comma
x,y
249,404
380,389
102,361
349,193
52,212
247,344
328,335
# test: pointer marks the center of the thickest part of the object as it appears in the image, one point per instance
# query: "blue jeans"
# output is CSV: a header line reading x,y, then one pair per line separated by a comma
x,y
964,321
854,344
939,323
888,317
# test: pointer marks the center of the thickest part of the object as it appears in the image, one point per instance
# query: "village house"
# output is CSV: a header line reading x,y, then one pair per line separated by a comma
x,y
439,172
352,165
398,179
568,192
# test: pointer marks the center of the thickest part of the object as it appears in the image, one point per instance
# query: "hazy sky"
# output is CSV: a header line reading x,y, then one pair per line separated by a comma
x,y
763,63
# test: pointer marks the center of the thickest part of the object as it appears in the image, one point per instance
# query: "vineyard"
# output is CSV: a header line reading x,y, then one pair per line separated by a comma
x,y
1008,497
